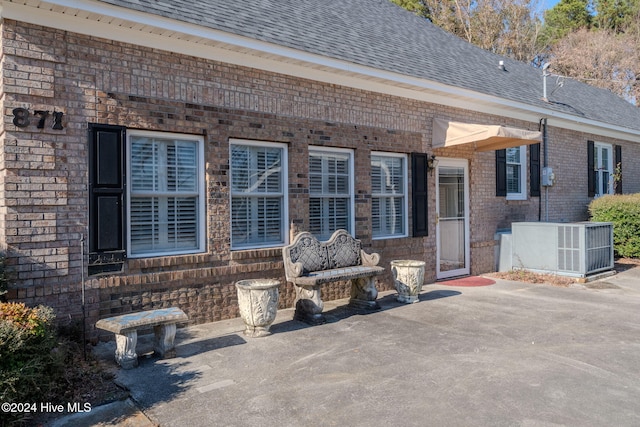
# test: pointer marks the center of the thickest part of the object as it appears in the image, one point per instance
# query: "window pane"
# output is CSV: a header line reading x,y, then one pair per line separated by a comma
x,y
143,218
186,167
144,168
605,182
256,169
513,178
257,197
256,220
163,224
337,214
269,167
163,165
329,173
376,177
387,216
513,155
182,223
239,167
451,184
315,215
605,158
327,215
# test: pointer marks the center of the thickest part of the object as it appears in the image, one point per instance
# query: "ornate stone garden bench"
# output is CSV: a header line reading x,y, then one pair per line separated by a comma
x,y
126,327
309,264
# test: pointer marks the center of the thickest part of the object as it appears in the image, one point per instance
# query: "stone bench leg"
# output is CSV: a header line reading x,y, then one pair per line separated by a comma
x,y
309,305
163,341
364,294
126,355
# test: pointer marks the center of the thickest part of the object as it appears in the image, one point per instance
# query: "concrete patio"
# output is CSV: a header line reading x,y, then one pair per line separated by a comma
x,y
508,354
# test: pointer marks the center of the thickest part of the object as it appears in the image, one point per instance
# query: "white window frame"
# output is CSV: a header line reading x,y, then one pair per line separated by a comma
x,y
351,197
282,194
522,194
604,172
198,194
403,195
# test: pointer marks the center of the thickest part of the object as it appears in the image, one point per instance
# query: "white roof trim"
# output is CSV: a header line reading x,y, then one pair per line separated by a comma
x,y
153,31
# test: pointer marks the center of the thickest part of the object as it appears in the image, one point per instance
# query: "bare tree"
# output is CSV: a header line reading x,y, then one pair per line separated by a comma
x,y
600,58
505,27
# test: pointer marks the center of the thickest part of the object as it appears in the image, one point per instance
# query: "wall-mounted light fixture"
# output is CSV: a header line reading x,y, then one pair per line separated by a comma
x,y
432,162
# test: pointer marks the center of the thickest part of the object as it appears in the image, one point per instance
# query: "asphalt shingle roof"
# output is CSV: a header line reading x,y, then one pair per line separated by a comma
x,y
378,34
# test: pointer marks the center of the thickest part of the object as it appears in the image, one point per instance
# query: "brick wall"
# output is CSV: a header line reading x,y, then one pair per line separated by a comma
x,y
43,172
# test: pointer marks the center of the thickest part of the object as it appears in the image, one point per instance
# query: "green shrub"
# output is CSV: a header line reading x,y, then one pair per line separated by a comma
x,y
624,212
29,361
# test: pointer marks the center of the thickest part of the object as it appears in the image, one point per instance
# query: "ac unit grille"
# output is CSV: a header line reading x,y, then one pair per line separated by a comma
x,y
599,247
569,248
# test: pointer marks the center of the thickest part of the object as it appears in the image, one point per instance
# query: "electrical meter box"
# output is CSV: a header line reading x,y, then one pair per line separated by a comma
x,y
547,177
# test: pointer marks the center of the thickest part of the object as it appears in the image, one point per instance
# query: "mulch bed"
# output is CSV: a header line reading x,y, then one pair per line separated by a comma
x,y
621,264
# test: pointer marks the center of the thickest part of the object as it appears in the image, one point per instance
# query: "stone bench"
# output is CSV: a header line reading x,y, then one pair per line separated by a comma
x,y
309,264
126,327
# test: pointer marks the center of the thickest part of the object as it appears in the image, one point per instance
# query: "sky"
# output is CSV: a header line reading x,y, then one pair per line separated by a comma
x,y
548,4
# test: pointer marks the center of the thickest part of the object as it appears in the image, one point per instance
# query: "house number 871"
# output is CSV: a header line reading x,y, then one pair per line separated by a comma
x,y
22,118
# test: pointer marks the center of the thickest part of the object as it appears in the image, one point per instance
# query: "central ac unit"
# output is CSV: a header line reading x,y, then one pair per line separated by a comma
x,y
571,249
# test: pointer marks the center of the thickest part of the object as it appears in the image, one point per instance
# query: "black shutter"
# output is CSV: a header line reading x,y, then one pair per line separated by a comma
x,y
106,198
591,169
534,170
617,170
501,173
419,199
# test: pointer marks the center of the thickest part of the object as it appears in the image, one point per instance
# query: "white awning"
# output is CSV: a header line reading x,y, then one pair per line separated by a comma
x,y
484,137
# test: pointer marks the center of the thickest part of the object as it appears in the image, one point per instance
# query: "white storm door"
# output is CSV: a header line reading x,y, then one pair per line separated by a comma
x,y
452,218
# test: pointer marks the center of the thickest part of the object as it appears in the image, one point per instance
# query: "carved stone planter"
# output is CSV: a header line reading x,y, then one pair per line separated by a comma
x,y
258,303
408,278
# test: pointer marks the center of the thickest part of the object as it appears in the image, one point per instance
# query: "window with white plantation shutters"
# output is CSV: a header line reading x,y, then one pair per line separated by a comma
x,y
166,194
258,184
388,195
330,191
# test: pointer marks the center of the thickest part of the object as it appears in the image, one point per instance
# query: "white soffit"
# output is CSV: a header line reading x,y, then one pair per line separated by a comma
x,y
129,26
